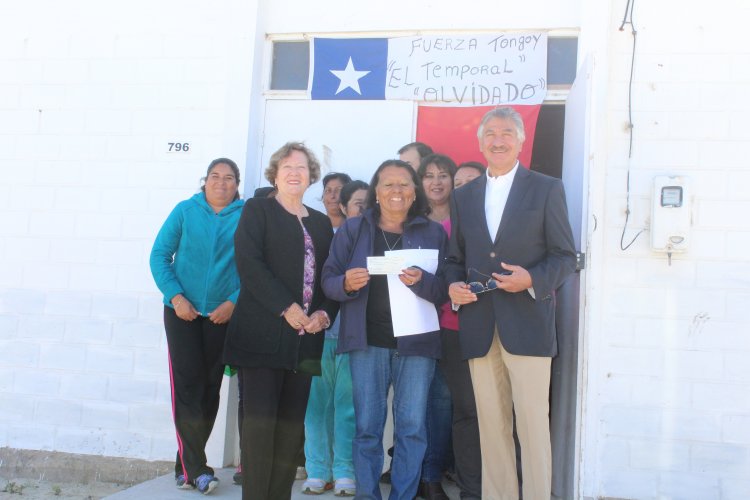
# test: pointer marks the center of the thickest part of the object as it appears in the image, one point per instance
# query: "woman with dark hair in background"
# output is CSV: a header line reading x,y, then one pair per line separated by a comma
x,y
329,421
332,185
436,173
352,198
275,333
192,262
467,172
395,219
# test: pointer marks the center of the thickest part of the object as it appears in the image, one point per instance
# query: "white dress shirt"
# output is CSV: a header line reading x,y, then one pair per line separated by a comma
x,y
495,198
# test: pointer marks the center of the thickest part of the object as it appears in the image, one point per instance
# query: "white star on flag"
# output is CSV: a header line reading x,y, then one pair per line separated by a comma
x,y
349,77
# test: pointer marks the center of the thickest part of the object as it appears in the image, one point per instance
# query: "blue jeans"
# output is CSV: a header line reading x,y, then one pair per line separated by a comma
x,y
373,371
437,458
329,421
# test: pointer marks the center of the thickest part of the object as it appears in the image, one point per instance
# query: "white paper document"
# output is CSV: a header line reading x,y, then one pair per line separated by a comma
x,y
411,314
385,265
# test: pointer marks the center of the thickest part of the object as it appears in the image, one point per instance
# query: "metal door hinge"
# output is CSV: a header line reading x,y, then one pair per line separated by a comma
x,y
580,261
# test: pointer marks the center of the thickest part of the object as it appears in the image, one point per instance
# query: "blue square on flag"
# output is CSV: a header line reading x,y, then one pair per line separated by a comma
x,y
350,68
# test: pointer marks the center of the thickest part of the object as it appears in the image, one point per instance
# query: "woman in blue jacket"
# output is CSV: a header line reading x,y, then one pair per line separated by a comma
x,y
396,219
192,262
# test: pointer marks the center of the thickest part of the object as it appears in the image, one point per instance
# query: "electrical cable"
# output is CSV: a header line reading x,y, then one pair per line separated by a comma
x,y
628,19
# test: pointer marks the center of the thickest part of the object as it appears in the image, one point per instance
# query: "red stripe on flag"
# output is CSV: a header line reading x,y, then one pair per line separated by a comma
x,y
452,131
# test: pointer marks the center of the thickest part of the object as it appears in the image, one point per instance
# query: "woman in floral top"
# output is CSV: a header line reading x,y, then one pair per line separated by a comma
x,y
275,336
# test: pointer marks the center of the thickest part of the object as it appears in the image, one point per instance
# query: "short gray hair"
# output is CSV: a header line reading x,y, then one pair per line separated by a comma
x,y
504,113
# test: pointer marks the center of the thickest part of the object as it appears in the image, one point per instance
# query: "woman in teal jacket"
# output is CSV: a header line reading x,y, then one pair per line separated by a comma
x,y
192,262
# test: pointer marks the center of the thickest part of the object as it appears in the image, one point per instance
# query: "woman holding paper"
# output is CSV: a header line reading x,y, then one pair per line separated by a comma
x,y
396,219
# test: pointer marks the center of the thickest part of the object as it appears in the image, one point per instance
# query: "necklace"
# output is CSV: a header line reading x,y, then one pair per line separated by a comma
x,y
391,247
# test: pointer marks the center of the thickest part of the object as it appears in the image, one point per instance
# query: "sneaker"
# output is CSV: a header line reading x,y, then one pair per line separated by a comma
x,y
206,483
301,473
315,486
182,482
237,477
345,487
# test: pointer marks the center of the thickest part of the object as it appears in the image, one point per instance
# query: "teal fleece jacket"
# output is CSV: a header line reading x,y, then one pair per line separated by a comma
x,y
194,254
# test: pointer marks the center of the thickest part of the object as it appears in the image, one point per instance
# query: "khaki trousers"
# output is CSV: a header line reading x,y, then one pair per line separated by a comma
x,y
504,382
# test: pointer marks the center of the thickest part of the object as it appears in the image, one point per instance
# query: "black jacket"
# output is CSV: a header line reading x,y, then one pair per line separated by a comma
x,y
269,250
534,233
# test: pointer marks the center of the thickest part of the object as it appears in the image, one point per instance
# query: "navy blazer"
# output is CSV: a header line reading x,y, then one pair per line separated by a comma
x,y
270,253
534,233
351,246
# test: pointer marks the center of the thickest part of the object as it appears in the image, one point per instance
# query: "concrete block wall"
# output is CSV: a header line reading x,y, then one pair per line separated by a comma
x,y
87,112
669,387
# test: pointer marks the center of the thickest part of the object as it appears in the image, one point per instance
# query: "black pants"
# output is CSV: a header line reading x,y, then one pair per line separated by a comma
x,y
466,450
196,370
275,401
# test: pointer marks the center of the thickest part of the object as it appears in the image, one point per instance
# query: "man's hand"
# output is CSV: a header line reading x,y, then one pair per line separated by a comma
x,y
460,294
518,280
221,314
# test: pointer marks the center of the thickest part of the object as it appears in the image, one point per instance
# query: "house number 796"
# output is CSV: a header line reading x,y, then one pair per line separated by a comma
x,y
175,147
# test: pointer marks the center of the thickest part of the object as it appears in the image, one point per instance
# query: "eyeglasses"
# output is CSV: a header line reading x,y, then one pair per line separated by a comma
x,y
479,287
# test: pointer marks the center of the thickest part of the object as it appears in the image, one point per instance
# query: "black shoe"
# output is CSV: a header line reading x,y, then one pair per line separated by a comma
x,y
432,491
237,477
385,478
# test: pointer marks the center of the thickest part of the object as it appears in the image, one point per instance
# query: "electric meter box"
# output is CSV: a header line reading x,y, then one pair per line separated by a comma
x,y
670,214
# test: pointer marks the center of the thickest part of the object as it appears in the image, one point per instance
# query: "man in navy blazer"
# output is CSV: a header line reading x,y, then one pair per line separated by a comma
x,y
511,247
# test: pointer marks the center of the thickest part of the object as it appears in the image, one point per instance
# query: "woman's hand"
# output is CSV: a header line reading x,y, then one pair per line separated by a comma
x,y
410,276
355,278
183,308
296,317
318,321
221,314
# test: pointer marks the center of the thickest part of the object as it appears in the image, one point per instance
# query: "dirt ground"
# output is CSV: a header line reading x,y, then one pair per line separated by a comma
x,y
35,475
39,489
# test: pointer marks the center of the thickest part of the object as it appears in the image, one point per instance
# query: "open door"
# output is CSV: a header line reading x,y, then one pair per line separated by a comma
x,y
564,394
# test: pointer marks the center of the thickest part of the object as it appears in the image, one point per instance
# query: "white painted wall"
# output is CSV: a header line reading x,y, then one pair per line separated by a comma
x,y
293,16
668,395
87,105
90,95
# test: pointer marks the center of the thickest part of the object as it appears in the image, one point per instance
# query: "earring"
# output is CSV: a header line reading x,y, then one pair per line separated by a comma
x,y
377,202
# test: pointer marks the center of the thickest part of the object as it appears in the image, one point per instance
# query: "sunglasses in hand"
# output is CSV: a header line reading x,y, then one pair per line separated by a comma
x,y
477,287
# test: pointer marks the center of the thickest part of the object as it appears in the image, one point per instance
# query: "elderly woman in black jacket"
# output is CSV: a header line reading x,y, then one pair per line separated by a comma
x,y
275,335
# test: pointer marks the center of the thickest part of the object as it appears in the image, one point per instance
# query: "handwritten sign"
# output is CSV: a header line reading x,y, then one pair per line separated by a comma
x,y
479,70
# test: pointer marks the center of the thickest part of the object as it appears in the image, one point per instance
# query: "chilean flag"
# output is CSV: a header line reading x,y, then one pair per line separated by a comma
x,y
356,69
349,68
